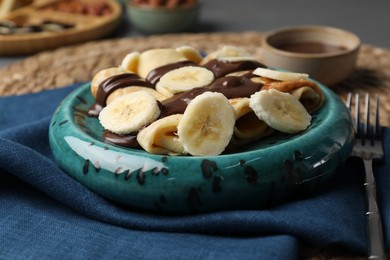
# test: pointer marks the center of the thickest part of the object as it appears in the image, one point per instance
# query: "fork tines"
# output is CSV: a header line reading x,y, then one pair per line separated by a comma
x,y
364,131
372,149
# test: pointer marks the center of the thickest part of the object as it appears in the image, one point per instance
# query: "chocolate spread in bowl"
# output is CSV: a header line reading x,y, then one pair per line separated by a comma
x,y
311,47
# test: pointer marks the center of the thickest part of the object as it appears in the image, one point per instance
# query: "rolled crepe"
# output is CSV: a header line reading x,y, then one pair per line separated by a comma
x,y
160,137
248,126
306,91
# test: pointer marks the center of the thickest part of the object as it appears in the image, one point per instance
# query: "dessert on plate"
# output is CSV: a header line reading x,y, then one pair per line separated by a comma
x,y
176,101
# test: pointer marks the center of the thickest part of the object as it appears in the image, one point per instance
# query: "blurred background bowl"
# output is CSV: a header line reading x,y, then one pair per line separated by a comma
x,y
159,20
327,54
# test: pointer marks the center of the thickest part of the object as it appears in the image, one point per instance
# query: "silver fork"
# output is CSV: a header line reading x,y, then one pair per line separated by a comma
x,y
368,146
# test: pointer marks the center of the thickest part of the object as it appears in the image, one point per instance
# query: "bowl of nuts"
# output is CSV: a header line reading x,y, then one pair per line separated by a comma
x,y
163,16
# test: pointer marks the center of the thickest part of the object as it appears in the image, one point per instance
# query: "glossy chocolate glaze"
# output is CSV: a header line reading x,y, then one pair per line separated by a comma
x,y
222,68
155,75
109,85
230,86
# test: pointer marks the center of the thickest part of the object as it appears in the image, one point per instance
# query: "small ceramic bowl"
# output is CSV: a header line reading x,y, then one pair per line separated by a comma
x,y
159,20
327,54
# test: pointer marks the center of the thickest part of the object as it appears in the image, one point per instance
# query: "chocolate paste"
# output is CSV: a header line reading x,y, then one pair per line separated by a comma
x,y
155,75
222,68
230,87
109,85
311,47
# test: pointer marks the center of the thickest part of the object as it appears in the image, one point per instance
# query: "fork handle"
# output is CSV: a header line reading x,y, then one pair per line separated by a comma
x,y
374,223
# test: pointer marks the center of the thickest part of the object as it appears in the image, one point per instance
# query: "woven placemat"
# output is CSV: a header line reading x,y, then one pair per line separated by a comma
x,y
67,65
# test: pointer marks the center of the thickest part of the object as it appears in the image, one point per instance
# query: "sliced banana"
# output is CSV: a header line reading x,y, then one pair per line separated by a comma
x,y
130,112
279,75
306,91
184,79
228,53
281,111
207,125
160,137
234,54
130,62
122,91
154,58
103,75
190,53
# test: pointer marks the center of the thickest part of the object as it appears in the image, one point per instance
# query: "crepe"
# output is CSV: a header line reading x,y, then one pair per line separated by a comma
x,y
306,91
248,127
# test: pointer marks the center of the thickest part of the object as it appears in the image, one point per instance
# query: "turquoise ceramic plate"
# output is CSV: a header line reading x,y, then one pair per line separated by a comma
x,y
263,174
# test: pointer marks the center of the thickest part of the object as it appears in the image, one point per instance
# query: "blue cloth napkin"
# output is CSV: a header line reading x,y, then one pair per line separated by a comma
x,y
47,215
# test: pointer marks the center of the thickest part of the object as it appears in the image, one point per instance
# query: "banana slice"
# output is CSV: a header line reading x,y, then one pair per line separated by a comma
x,y
233,54
207,125
154,58
281,111
190,53
184,79
279,75
130,112
160,137
306,91
103,75
130,62
229,53
122,91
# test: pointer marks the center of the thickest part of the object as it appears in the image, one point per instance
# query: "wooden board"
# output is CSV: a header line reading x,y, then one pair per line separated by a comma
x,y
84,27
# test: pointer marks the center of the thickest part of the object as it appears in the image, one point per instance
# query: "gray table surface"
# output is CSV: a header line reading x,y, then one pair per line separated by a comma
x,y
369,19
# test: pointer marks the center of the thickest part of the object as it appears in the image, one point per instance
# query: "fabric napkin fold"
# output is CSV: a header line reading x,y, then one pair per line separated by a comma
x,y
46,214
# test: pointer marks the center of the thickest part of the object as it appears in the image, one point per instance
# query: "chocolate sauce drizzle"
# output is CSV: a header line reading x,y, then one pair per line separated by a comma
x,y
230,86
109,85
222,68
155,75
